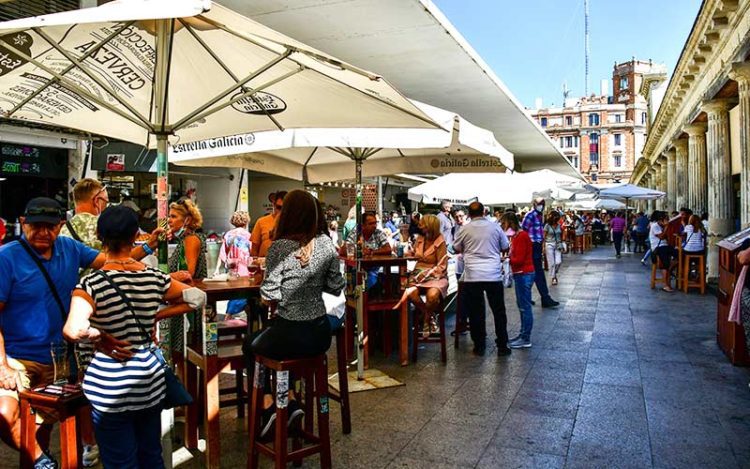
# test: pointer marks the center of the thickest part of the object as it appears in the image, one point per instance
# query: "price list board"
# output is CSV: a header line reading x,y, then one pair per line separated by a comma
x,y
24,160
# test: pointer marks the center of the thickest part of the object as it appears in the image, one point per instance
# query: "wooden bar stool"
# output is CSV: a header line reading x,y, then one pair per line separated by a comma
x,y
342,394
579,243
700,282
67,407
656,267
441,339
587,241
678,277
315,373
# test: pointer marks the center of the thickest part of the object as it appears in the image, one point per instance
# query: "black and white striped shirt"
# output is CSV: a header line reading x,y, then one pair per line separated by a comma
x,y
110,385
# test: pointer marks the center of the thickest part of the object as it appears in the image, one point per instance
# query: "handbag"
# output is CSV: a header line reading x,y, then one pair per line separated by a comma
x,y
175,394
506,276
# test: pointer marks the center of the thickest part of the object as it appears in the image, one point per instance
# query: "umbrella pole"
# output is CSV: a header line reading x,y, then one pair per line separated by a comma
x,y
359,276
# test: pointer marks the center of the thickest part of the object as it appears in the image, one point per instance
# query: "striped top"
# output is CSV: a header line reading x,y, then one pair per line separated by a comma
x,y
111,385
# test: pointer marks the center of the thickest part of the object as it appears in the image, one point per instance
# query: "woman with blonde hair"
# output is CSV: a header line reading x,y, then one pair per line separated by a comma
x,y
190,255
430,275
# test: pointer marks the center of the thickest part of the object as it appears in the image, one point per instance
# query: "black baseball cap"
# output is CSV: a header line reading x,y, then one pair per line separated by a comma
x,y
117,222
43,210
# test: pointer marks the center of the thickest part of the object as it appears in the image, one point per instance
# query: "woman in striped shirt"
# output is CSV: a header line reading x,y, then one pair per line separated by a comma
x,y
124,381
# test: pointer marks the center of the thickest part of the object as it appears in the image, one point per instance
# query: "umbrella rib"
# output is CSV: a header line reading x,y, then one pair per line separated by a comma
x,y
199,112
228,71
88,73
187,120
70,67
70,86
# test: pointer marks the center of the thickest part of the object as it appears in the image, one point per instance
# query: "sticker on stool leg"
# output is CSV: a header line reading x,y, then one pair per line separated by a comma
x,y
324,405
282,389
259,376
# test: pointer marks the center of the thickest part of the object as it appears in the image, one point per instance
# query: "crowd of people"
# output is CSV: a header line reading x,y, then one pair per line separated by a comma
x,y
90,279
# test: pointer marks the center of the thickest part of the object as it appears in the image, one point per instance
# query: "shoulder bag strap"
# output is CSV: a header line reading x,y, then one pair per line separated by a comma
x,y
73,231
50,284
127,303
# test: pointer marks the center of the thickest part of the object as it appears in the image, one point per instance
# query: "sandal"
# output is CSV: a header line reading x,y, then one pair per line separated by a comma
x,y
554,281
668,289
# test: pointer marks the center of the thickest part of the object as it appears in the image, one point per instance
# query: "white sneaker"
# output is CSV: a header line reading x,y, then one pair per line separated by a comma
x,y
90,455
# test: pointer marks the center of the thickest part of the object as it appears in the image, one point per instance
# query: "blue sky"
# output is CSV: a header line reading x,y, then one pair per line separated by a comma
x,y
536,45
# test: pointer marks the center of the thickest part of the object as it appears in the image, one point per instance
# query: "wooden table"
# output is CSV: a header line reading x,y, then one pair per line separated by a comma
x,y
212,358
67,406
387,301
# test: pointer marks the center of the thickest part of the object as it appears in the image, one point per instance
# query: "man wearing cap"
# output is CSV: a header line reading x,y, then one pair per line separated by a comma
x,y
261,237
32,313
533,224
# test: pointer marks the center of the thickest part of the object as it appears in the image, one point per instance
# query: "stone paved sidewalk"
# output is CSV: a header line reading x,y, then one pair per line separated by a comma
x,y
619,376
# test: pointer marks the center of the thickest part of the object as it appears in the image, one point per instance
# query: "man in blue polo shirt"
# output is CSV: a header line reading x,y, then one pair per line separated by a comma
x,y
30,317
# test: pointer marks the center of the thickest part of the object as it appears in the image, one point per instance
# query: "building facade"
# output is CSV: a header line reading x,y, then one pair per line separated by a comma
x,y
603,135
698,148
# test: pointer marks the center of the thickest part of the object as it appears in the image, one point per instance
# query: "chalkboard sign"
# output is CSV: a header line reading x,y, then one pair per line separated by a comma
x,y
24,160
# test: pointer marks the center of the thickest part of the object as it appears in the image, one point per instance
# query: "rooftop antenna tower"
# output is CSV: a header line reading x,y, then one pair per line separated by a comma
x,y
586,44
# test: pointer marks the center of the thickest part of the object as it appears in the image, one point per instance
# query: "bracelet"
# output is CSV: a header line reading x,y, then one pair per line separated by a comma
x,y
147,249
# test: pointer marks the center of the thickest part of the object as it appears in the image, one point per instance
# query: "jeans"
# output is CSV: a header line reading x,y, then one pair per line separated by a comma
x,y
540,279
617,239
523,283
129,440
554,259
473,301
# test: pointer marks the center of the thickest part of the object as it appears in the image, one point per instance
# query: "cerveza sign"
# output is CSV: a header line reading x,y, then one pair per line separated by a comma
x,y
232,143
465,163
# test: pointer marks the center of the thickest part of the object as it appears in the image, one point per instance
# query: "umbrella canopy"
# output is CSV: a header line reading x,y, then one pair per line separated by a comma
x,y
188,69
598,204
625,191
314,154
490,189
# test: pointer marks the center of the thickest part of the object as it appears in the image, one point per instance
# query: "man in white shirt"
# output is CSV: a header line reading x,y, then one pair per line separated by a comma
x,y
481,242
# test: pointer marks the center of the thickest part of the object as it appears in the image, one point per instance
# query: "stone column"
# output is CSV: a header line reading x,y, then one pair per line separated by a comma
x,y
671,155
720,223
741,74
663,183
681,168
697,180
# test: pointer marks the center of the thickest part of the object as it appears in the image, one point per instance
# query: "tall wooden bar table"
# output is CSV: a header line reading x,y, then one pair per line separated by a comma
x,y
385,302
204,353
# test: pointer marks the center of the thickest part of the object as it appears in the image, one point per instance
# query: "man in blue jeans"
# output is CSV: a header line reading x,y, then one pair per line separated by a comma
x,y
533,224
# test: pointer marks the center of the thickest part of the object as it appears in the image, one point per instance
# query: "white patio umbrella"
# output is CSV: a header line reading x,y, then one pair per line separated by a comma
x,y
598,204
314,155
491,189
625,191
146,71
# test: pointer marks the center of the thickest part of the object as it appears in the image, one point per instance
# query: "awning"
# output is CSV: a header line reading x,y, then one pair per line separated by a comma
x,y
413,44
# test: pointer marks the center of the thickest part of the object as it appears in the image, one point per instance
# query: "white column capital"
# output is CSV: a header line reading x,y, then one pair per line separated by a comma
x,y
670,154
681,145
740,72
696,129
715,107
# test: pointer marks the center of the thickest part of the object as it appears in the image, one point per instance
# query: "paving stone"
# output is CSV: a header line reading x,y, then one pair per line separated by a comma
x,y
586,455
533,432
612,374
514,458
449,443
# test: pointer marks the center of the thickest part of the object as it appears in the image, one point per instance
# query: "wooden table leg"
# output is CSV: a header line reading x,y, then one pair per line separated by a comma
x,y
211,406
191,417
28,435
68,443
403,349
